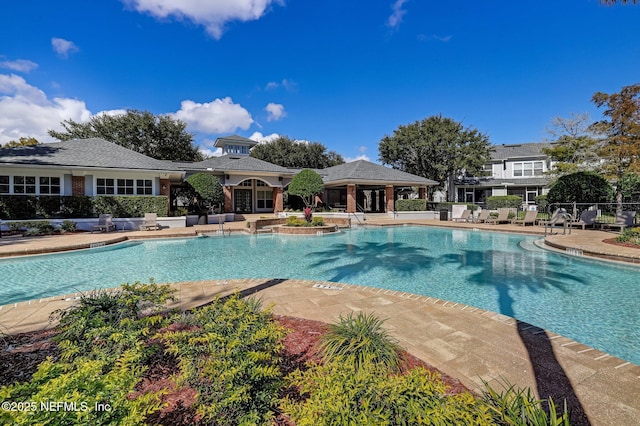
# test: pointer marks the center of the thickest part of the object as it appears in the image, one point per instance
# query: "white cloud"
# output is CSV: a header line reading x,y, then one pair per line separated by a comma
x,y
213,15
19,65
359,157
208,150
288,85
275,112
63,47
26,111
259,137
395,19
362,149
443,39
218,116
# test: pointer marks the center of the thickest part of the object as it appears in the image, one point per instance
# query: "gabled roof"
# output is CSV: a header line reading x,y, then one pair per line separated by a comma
x,y
82,153
232,163
524,150
365,172
233,140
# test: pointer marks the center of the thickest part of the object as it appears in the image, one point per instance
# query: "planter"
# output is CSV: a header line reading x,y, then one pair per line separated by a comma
x,y
305,230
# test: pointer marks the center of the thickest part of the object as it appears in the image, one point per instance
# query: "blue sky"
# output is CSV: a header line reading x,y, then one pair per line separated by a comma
x,y
342,73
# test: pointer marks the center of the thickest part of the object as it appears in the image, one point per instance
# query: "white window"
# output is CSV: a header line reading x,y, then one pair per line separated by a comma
x,y
4,184
125,186
265,200
49,185
106,186
24,184
528,168
237,149
144,187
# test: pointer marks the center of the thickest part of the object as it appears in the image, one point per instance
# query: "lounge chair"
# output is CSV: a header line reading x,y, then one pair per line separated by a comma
x,y
503,217
105,223
482,217
557,218
529,218
587,218
465,217
151,221
622,221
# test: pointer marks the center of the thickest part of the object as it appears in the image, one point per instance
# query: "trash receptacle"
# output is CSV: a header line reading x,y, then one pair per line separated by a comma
x,y
444,214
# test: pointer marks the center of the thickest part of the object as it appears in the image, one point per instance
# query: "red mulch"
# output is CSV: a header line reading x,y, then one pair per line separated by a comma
x,y
21,354
616,243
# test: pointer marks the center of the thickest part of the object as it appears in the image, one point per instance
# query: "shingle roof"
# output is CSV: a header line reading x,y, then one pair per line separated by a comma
x,y
230,163
92,153
365,171
233,139
506,152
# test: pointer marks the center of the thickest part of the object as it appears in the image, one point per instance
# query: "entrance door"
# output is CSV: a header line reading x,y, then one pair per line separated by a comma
x,y
242,200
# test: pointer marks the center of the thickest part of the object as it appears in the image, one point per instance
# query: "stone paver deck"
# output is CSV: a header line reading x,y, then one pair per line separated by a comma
x,y
465,342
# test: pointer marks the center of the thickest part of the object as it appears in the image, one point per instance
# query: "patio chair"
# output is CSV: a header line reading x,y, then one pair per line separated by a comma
x,y
529,218
482,217
623,220
587,218
151,221
105,224
503,217
557,218
465,217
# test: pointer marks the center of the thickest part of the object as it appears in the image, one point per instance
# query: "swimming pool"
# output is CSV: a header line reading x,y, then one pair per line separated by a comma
x,y
591,302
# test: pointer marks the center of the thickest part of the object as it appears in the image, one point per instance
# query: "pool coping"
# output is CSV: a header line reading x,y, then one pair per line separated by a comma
x,y
465,342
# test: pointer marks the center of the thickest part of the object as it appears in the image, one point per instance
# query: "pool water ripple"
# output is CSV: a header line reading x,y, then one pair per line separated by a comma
x,y
589,301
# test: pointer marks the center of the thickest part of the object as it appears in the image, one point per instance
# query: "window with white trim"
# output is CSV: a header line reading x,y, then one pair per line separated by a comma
x,y
144,187
528,168
4,184
245,183
265,199
24,184
260,183
125,187
49,185
105,186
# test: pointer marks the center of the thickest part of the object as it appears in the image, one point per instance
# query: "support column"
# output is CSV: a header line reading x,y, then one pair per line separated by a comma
x,y
351,198
227,199
278,203
165,190
77,186
390,197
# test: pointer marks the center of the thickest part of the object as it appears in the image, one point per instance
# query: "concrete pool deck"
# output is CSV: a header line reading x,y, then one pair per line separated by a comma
x,y
467,343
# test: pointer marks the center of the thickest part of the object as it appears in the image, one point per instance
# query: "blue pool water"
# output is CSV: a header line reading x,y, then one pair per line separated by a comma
x,y
588,301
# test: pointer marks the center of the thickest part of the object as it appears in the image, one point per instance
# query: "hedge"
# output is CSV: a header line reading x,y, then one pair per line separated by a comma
x,y
501,201
25,207
414,205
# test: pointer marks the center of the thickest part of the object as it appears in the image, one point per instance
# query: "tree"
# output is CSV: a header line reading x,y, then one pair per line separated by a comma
x,y
437,148
621,134
575,147
580,187
286,152
160,137
306,185
205,191
21,142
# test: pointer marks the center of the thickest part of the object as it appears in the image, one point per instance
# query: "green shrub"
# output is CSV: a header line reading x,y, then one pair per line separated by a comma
x,y
411,205
520,407
449,206
502,201
130,206
580,187
363,338
317,221
32,227
229,352
294,221
542,202
341,394
629,235
68,226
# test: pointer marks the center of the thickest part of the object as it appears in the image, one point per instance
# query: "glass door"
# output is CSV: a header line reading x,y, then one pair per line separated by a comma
x,y
242,200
